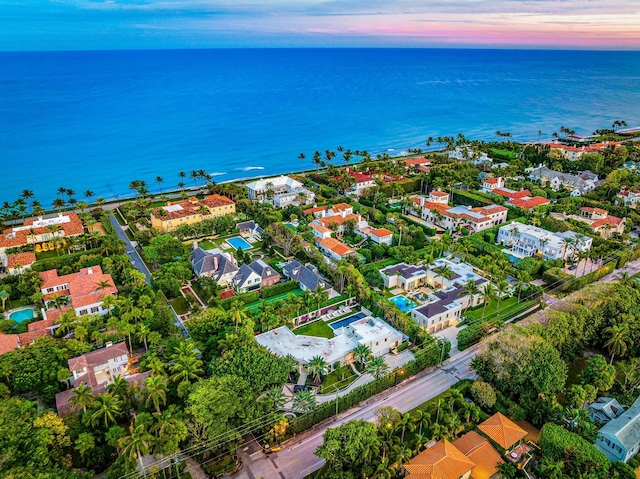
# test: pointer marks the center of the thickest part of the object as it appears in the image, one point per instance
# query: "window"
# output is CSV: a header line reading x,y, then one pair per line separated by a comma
x,y
83,311
95,309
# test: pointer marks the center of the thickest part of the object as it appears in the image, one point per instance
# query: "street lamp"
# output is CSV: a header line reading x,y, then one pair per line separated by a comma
x,y
395,378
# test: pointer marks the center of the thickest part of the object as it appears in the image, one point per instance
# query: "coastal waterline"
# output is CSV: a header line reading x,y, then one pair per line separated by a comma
x,y
97,120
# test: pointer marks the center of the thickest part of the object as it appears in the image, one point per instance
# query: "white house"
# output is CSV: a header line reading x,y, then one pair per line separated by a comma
x,y
490,184
333,248
282,190
404,276
629,198
473,219
579,184
438,196
215,263
362,181
528,240
619,439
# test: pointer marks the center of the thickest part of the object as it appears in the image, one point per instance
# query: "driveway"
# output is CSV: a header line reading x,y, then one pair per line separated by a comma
x,y
134,257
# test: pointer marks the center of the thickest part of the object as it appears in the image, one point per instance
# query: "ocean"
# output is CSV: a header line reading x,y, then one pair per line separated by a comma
x,y
98,120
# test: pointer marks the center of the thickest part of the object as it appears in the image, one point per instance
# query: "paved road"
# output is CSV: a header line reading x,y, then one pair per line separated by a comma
x,y
134,257
298,458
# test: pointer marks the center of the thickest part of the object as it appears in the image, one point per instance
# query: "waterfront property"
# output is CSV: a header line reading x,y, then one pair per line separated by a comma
x,y
191,211
39,232
84,291
361,181
528,240
619,439
450,218
337,217
372,332
282,191
97,369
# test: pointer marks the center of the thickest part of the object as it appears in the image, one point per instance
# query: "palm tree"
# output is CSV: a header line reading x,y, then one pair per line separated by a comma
x,y
156,391
455,397
501,288
523,281
470,289
187,368
106,409
317,367
304,401
422,419
488,294
617,342
377,367
444,272
407,421
361,354
236,312
136,444
82,397
120,387
321,295
102,285
3,297
567,243
276,397
159,180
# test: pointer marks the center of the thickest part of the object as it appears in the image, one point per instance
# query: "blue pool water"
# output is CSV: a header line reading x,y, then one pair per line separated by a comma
x,y
237,242
403,303
21,315
347,321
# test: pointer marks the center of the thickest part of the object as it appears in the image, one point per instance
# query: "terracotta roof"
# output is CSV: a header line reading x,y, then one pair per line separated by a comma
x,y
507,193
417,161
481,452
502,430
30,336
528,203
609,220
424,169
341,207
492,181
190,207
21,259
215,201
319,228
18,237
361,177
97,357
489,209
439,193
8,342
42,324
379,232
227,293
326,221
315,209
82,286
441,461
336,246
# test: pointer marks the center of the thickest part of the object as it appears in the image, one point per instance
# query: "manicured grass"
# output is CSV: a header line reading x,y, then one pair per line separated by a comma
x,y
207,244
508,308
180,305
47,255
333,381
319,329
278,297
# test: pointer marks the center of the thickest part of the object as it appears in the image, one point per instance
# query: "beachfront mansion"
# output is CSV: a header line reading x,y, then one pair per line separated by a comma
x,y
282,191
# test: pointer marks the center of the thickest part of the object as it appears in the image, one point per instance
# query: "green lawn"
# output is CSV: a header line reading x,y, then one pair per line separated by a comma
x,y
207,244
319,329
279,297
47,255
508,308
333,381
180,305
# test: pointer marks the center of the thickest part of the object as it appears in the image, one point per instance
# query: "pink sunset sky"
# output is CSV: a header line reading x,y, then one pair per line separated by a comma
x,y
72,24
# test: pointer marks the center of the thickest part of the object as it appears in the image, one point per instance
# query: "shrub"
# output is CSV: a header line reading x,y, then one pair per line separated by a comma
x,y
484,394
279,288
246,298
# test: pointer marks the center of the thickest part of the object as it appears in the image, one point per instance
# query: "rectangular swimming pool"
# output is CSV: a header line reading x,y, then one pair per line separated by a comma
x,y
403,303
238,242
348,320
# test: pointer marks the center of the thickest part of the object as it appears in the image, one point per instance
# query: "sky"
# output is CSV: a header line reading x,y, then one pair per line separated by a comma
x,y
148,24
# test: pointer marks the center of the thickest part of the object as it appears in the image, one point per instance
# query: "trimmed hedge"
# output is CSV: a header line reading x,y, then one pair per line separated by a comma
x,y
470,198
279,288
246,298
66,260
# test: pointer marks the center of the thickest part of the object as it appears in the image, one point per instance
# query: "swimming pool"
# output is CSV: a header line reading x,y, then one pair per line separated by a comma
x,y
237,242
22,315
403,303
348,320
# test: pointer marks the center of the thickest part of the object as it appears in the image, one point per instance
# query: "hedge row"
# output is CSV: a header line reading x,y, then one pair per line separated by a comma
x,y
426,358
279,288
469,198
66,260
246,298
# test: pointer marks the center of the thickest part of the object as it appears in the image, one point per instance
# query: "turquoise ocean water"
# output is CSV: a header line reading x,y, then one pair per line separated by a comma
x,y
97,120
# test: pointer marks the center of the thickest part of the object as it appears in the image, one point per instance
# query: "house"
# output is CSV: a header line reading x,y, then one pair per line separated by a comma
x,y
528,203
490,184
40,232
361,180
600,221
450,218
619,439
379,235
528,240
444,307
578,184
438,196
502,430
84,291
36,329
510,194
333,248
573,153
97,369
18,263
308,279
441,460
282,191
480,451
216,264
604,409
340,219
375,333
416,163
255,275
191,211
319,231
249,228
629,198
404,276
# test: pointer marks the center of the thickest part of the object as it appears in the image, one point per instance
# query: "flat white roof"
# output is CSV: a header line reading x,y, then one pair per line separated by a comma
x,y
261,184
56,220
172,208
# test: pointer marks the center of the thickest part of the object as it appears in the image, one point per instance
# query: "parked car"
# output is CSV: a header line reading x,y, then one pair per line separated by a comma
x,y
572,267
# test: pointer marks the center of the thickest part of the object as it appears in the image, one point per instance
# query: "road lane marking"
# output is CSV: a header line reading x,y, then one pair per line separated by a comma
x,y
292,462
407,400
442,382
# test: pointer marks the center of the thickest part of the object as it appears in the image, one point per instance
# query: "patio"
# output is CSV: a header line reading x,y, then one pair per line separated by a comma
x,y
519,455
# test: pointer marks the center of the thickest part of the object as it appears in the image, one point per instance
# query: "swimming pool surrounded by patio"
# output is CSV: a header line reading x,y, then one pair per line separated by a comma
x,y
347,321
403,303
238,242
21,315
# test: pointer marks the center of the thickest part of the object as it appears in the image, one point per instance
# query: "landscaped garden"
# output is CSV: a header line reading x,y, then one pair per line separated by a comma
x,y
508,308
256,305
180,305
317,328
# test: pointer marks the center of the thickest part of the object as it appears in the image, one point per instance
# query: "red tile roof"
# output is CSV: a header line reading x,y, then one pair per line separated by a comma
x,y
215,201
417,161
338,247
609,220
8,342
529,203
502,430
341,207
424,169
381,232
326,221
42,324
11,238
439,193
21,259
492,181
30,336
98,357
441,461
82,286
510,193
315,209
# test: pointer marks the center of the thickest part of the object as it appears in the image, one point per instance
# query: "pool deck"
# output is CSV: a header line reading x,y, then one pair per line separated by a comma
x,y
7,314
238,239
